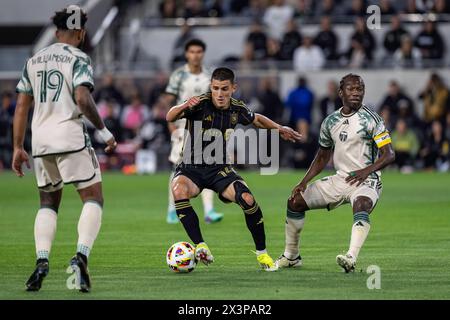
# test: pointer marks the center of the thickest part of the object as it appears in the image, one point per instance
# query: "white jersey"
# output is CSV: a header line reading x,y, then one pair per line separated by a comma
x,y
355,138
183,85
51,77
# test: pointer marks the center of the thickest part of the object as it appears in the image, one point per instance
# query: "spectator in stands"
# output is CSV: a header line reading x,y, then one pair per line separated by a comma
x,y
407,56
441,7
178,50
8,103
277,17
292,39
302,8
111,119
158,88
357,8
435,99
386,8
257,41
254,10
168,9
272,106
108,105
215,10
300,102
326,8
447,126
392,38
194,9
406,146
424,6
236,7
133,116
435,152
397,103
365,39
308,57
430,41
326,39
273,49
331,102
6,121
357,56
108,90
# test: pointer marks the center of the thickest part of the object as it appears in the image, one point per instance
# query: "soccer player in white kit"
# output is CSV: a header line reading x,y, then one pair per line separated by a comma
x,y
361,146
60,80
192,79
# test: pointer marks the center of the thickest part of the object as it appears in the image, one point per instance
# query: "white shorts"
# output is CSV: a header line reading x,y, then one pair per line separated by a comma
x,y
332,191
80,168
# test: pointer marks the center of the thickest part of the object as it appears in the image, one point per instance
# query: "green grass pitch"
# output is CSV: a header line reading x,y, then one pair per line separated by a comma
x,y
409,241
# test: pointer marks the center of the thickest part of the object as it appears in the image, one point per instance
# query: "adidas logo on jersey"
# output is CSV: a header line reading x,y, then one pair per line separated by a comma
x,y
345,122
208,118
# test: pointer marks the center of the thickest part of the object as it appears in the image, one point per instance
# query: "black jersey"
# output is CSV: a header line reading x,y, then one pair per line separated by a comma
x,y
209,128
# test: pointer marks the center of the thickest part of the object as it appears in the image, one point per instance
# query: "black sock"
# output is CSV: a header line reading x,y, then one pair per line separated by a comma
x,y
255,223
189,219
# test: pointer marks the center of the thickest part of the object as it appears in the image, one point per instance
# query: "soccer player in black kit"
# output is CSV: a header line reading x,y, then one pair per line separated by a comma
x,y
217,113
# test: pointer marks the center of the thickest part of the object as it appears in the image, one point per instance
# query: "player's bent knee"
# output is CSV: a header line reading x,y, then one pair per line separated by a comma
x,y
244,197
248,198
362,204
297,204
179,191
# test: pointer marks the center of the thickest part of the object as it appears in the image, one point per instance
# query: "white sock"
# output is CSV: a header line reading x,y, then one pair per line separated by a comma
x,y
294,224
208,200
44,231
171,206
292,234
88,226
360,230
260,252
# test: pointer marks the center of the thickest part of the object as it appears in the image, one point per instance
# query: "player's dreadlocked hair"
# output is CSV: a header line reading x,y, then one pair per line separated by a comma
x,y
223,74
345,78
60,19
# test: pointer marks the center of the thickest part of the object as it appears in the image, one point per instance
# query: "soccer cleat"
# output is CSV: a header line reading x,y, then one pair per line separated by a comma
x,y
283,262
172,217
203,254
34,283
347,262
79,267
213,216
266,262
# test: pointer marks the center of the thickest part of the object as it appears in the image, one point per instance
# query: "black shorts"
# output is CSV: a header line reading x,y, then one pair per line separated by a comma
x,y
214,177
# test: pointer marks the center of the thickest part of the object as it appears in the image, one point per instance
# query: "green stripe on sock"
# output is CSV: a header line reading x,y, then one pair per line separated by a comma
x,y
361,216
295,215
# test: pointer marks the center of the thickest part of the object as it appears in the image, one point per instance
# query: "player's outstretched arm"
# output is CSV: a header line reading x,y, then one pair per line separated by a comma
x,y
19,127
387,156
87,106
320,161
177,111
286,133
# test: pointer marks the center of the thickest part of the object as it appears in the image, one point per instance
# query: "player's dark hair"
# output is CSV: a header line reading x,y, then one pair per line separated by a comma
x,y
223,74
347,77
194,42
60,18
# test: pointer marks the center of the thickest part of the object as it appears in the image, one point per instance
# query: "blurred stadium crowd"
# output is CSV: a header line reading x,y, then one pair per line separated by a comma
x,y
134,114
137,119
